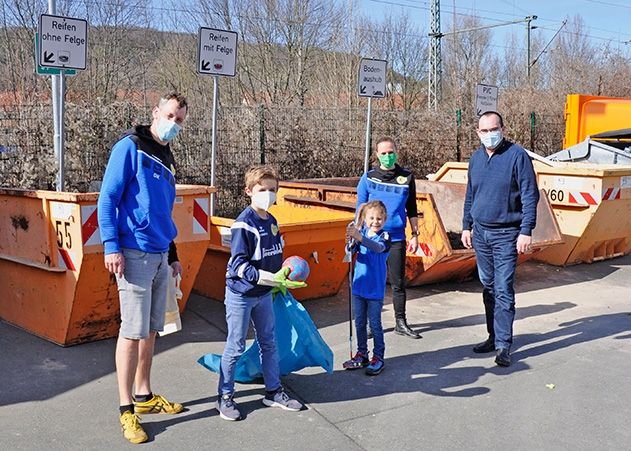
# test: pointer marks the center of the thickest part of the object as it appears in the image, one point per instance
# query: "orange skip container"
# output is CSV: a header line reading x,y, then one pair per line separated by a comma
x,y
53,282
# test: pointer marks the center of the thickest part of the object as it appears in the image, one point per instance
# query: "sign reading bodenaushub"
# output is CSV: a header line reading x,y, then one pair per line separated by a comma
x,y
217,52
63,42
372,78
485,98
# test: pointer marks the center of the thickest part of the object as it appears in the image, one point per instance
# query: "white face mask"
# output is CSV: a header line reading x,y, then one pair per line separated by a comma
x,y
491,140
166,129
264,199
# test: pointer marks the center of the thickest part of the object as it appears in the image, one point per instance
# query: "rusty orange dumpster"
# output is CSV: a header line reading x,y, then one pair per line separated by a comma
x,y
54,283
319,241
440,256
591,204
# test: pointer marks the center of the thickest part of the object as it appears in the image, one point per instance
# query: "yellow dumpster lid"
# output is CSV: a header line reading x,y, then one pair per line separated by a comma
x,y
86,197
50,195
583,169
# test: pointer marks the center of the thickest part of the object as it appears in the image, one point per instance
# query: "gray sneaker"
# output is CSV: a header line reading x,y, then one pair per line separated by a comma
x,y
281,399
227,408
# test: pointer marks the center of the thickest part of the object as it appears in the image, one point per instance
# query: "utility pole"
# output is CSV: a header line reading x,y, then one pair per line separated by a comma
x,y
434,49
435,65
528,28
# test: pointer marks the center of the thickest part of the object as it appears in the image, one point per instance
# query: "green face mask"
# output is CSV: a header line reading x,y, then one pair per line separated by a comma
x,y
387,160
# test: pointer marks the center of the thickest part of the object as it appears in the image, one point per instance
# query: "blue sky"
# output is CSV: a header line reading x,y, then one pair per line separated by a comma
x,y
607,20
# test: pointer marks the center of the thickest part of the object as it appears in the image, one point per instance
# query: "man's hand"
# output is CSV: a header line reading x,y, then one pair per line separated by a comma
x,y
466,239
115,263
523,243
177,268
412,245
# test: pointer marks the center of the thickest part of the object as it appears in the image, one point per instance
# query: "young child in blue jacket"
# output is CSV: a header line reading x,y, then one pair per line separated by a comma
x,y
372,244
254,268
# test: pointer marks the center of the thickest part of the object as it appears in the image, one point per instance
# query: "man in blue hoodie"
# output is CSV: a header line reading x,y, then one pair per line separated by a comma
x,y
500,212
134,213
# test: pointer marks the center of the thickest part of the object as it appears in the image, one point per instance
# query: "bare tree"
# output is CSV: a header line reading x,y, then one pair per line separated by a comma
x,y
468,59
281,37
404,46
573,60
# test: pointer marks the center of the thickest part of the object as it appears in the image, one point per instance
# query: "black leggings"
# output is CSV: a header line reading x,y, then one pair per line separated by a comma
x,y
396,277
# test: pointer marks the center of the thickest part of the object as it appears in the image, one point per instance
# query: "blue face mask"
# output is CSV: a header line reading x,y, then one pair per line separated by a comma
x,y
166,129
491,140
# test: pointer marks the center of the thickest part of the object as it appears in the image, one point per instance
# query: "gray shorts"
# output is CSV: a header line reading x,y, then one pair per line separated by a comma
x,y
143,293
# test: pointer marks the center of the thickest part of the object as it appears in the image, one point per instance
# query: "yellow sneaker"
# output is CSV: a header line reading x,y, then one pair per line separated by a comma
x,y
132,430
157,404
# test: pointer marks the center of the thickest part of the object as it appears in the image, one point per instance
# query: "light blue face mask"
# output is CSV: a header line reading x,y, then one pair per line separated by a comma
x,y
166,129
491,140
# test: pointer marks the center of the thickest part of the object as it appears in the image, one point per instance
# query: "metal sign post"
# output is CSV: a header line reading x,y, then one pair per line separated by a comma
x,y
62,109
368,133
61,45
216,56
371,82
213,146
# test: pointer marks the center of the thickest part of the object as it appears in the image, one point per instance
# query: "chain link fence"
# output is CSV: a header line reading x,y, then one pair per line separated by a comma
x,y
300,142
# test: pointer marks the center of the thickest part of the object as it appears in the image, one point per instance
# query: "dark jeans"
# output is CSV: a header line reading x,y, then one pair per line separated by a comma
x,y
396,277
496,255
369,311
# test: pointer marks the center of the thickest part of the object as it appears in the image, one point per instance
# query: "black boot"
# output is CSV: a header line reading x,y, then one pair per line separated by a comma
x,y
402,328
486,346
502,357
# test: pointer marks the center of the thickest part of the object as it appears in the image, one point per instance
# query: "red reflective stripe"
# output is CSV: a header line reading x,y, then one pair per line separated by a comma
x,y
589,199
200,216
89,227
607,193
572,199
67,260
425,248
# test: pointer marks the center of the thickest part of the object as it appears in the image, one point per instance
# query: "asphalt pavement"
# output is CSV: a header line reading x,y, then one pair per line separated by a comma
x,y
568,386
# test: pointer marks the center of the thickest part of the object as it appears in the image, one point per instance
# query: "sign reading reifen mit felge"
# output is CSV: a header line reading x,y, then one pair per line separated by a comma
x,y
372,78
63,42
217,52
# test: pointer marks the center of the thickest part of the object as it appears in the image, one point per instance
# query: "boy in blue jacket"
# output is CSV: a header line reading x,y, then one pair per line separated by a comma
x,y
254,268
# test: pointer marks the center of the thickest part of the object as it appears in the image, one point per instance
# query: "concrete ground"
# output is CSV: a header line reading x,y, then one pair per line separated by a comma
x,y
568,388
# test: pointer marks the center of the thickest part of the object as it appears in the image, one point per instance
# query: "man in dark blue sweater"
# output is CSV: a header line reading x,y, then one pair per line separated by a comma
x,y
500,212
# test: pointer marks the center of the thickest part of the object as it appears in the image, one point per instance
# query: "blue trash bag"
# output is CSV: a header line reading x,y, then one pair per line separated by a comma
x,y
298,342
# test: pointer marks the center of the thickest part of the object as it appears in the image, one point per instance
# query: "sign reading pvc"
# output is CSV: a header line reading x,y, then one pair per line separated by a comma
x,y
372,78
63,42
217,52
485,98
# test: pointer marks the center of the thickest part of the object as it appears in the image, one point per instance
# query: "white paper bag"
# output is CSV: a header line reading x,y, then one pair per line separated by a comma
x,y
172,322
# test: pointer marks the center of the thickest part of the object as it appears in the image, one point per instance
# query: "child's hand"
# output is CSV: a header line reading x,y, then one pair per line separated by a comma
x,y
352,232
281,275
288,284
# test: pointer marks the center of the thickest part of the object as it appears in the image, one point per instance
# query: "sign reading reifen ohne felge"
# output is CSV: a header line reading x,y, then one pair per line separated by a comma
x,y
63,42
